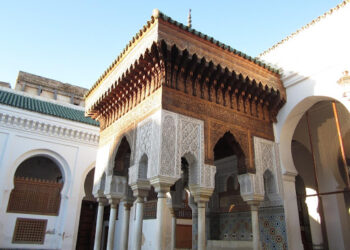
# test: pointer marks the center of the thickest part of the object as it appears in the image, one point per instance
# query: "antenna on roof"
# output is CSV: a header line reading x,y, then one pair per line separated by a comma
x,y
189,21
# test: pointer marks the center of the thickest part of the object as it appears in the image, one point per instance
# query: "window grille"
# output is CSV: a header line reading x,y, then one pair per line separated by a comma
x,y
35,196
29,231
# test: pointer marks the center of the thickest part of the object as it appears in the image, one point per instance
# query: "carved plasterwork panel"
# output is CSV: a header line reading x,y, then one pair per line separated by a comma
x,y
144,140
190,146
165,137
267,158
168,146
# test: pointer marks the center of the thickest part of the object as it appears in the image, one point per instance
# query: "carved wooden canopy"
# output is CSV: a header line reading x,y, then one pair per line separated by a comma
x,y
165,65
194,75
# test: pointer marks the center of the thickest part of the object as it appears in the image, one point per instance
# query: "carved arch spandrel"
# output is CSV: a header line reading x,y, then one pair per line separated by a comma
x,y
216,131
130,135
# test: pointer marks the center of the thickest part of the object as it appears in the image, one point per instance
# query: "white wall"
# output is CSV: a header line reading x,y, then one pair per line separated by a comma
x,y
312,61
24,134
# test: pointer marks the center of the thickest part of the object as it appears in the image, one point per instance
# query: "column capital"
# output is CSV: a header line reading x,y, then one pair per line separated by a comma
x,y
102,200
127,206
113,202
162,184
289,176
141,188
253,198
201,194
254,204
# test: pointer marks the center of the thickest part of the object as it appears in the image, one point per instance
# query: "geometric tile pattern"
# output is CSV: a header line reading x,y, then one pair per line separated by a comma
x,y
272,228
237,226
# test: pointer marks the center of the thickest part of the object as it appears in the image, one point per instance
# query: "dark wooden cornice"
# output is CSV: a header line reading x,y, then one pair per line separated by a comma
x,y
164,65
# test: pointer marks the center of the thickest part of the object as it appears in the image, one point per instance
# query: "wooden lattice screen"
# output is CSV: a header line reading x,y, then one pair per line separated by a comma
x,y
185,212
35,196
150,209
29,231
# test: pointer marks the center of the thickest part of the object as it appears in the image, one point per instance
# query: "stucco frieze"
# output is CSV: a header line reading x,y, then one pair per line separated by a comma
x,y
54,129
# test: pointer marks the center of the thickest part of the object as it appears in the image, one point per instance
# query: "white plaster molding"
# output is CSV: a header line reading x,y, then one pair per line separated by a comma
x,y
116,187
45,127
99,187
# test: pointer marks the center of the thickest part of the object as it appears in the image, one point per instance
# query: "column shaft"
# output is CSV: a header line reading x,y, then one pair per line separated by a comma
x,y
255,228
201,226
126,221
291,213
138,224
161,206
99,222
111,226
173,232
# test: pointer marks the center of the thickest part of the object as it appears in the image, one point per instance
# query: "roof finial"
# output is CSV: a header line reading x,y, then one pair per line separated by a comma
x,y
189,21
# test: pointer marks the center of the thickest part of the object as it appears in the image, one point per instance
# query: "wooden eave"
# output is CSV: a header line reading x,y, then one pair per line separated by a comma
x,y
160,17
175,64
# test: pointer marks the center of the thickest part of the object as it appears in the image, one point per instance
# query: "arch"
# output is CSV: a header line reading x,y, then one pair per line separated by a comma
x,y
54,156
226,146
269,183
232,183
116,145
311,150
143,167
193,168
121,161
39,167
286,131
88,185
38,183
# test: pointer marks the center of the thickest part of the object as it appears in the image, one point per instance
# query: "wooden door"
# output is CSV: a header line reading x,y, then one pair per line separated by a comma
x,y
184,236
87,225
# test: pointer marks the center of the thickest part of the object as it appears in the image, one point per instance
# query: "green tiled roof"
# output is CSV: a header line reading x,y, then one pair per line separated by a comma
x,y
47,108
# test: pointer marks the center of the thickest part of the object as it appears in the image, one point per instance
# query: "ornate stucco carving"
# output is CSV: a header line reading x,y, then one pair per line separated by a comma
x,y
165,137
267,158
168,146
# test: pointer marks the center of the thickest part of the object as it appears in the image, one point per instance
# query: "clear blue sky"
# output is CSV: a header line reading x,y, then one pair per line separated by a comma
x,y
75,41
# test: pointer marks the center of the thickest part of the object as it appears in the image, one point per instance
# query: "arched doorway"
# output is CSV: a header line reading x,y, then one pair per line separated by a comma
x,y
317,140
88,213
38,182
229,215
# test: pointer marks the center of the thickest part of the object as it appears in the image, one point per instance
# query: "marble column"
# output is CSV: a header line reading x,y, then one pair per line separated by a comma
x,y
173,228
101,205
193,207
111,225
201,225
255,227
291,212
161,206
126,222
138,222
162,187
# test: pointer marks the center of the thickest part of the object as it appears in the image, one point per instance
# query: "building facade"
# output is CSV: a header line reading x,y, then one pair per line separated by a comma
x,y
313,130
192,118
187,143
48,148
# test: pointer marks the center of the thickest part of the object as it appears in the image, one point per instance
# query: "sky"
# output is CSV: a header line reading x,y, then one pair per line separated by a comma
x,y
75,41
